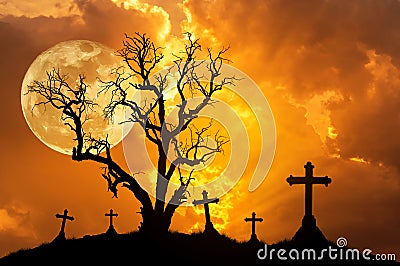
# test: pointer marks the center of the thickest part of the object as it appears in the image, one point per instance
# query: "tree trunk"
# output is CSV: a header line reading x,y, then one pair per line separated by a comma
x,y
155,225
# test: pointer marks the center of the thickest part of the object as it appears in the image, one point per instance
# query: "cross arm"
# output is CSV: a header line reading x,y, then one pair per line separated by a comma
x,y
198,202
322,180
295,180
214,200
251,219
66,217
304,180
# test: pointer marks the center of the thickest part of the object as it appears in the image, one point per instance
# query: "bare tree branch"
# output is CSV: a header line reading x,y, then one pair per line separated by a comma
x,y
141,55
73,102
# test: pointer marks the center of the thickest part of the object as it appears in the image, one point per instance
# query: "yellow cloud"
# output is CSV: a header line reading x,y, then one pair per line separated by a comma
x,y
359,160
164,29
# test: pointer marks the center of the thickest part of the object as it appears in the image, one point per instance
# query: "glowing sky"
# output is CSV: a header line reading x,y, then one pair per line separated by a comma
x,y
329,69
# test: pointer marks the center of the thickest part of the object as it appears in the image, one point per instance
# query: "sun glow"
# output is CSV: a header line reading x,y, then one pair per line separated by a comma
x,y
164,30
332,133
359,160
317,113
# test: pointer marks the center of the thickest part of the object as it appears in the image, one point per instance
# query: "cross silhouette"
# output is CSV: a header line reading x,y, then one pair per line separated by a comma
x,y
205,201
64,218
111,227
253,221
308,181
111,214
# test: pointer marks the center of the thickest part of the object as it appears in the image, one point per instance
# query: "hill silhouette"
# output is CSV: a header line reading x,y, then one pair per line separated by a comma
x,y
308,246
176,248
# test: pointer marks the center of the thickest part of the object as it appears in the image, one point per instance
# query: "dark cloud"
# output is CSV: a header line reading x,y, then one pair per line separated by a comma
x,y
100,20
296,40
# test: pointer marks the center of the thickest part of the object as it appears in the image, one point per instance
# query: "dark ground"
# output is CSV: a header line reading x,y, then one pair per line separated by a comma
x,y
176,249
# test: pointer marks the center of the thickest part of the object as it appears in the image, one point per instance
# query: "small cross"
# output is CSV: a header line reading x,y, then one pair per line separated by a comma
x,y
64,218
253,221
308,181
205,201
111,227
111,214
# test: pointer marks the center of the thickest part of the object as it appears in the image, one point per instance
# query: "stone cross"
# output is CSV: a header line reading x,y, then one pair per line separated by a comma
x,y
111,229
205,201
111,214
253,221
64,218
308,181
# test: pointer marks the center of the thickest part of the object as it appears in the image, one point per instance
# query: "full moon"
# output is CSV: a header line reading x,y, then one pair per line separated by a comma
x,y
92,59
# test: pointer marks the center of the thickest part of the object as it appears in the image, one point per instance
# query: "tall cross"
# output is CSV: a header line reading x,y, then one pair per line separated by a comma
x,y
205,201
308,180
253,221
111,214
64,218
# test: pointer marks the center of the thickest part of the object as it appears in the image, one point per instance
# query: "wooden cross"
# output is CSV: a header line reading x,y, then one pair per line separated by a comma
x,y
205,201
64,218
308,180
253,221
111,214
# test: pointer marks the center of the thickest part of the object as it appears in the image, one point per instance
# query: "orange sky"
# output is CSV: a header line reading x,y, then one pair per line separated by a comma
x,y
329,69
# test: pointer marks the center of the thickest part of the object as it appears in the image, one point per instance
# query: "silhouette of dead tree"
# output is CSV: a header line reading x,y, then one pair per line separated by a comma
x,y
142,57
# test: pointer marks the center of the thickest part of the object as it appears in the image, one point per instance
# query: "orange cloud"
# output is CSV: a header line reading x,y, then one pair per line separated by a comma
x,y
48,8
